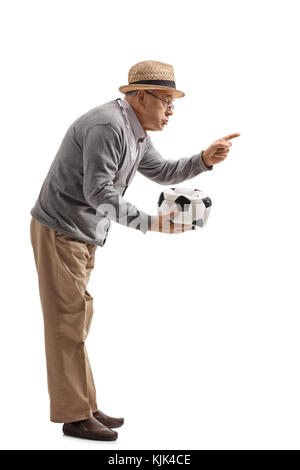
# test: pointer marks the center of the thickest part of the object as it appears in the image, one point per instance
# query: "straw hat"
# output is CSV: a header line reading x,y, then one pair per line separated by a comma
x,y
151,75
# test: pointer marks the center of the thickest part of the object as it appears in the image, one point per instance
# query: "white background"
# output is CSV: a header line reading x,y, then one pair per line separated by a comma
x,y
198,346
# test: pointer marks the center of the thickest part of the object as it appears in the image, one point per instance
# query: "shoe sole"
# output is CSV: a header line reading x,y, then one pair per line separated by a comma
x,y
91,436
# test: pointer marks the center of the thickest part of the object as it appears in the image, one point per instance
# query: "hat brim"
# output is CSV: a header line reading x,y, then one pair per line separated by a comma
x,y
176,93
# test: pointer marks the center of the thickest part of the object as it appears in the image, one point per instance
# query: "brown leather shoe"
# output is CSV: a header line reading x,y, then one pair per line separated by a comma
x,y
89,428
108,420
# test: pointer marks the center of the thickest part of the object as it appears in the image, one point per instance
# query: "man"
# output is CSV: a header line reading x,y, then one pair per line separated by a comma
x,y
82,192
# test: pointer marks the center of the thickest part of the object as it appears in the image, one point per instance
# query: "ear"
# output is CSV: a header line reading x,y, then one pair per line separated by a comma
x,y
141,96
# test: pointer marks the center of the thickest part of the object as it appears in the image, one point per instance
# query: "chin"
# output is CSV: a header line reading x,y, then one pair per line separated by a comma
x,y
159,127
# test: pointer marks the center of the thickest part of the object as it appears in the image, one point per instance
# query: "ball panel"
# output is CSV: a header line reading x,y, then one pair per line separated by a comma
x,y
161,199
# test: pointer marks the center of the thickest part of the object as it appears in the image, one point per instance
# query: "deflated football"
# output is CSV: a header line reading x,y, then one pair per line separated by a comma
x,y
194,205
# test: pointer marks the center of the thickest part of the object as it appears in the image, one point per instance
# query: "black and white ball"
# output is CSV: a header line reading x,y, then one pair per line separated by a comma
x,y
194,205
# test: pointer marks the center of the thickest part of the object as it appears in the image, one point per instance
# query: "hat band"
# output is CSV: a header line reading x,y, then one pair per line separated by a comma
x,y
167,83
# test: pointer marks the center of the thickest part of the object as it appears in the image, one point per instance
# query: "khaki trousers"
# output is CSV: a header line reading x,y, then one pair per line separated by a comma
x,y
63,266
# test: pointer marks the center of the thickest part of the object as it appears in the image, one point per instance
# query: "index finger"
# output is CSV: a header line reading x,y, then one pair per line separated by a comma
x,y
231,136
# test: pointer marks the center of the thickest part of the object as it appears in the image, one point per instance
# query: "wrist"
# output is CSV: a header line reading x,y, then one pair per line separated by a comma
x,y
208,166
203,158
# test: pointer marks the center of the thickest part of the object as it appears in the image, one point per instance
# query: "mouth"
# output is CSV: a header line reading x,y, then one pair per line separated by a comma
x,y
165,121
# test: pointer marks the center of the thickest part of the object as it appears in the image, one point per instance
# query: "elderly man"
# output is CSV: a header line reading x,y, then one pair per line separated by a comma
x,y
82,192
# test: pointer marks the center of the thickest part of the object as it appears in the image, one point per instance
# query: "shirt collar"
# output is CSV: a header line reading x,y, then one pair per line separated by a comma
x,y
139,133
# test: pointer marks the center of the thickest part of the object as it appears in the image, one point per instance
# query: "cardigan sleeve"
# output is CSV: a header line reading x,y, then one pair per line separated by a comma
x,y
162,171
102,152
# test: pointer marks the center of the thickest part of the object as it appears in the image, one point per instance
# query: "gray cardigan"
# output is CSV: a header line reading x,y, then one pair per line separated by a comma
x,y
84,187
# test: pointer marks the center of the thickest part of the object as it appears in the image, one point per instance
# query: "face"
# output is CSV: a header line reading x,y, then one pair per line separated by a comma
x,y
151,111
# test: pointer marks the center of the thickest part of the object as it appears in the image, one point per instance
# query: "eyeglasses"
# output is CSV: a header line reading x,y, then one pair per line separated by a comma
x,y
171,107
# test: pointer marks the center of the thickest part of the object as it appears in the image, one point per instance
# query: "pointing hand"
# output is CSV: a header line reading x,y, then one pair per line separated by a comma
x,y
218,151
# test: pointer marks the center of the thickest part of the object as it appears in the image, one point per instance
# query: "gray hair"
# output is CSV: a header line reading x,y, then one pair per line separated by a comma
x,y
131,93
